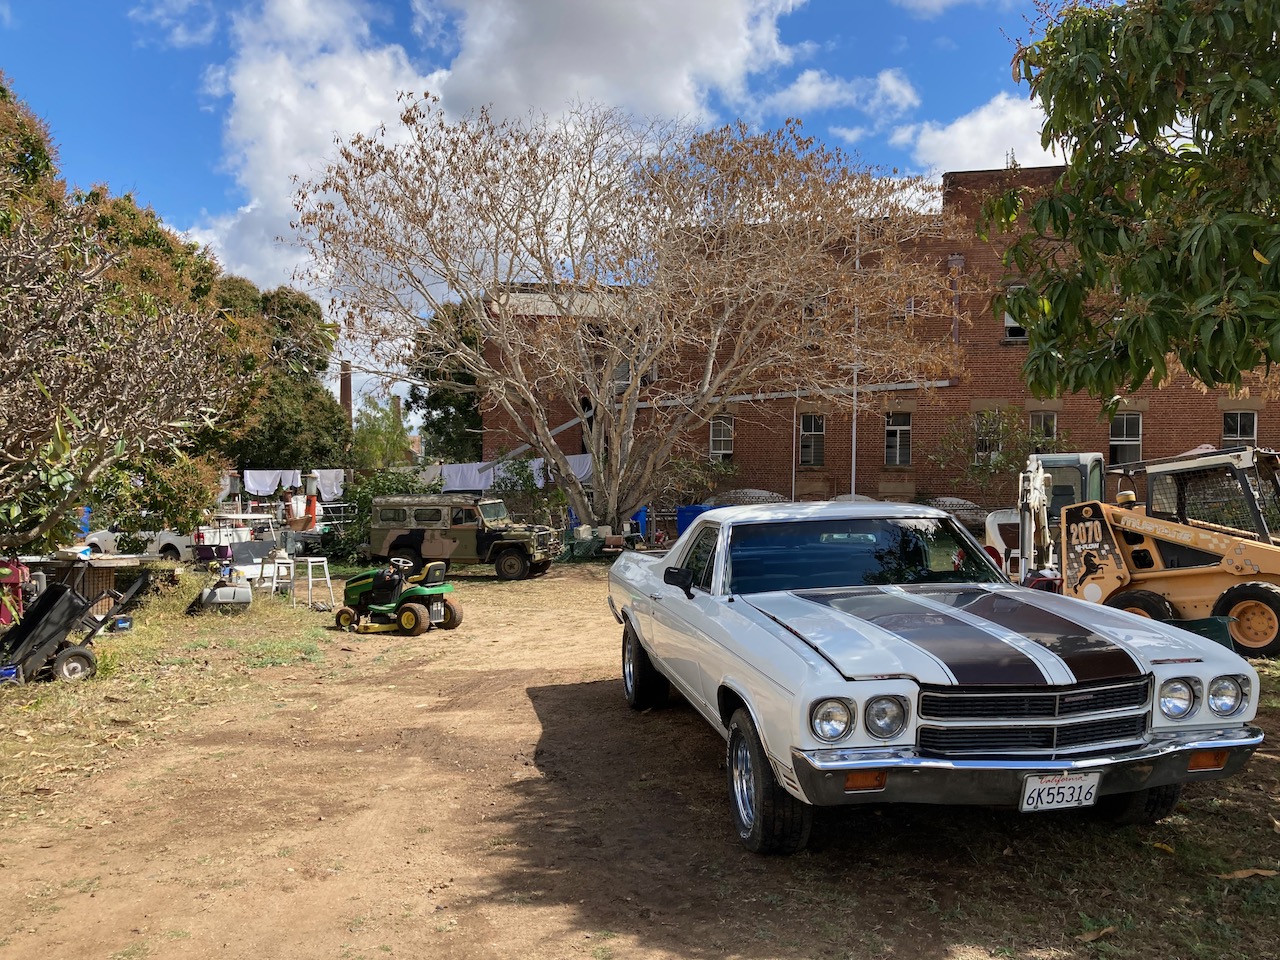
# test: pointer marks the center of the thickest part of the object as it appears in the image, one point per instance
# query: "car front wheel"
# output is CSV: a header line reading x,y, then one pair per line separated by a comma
x,y
511,565
767,818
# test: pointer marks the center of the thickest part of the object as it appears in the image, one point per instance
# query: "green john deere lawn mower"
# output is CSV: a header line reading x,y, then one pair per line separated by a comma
x,y
391,600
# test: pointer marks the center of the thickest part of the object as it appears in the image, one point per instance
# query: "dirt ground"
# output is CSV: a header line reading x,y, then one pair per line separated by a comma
x,y
486,793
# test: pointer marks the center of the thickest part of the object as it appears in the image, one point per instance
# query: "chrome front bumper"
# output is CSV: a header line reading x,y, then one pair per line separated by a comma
x,y
911,778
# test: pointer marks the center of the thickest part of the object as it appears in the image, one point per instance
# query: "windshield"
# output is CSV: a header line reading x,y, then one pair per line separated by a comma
x,y
496,510
801,555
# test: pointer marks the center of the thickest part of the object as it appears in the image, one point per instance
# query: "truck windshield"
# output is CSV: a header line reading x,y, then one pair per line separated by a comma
x,y
493,511
802,555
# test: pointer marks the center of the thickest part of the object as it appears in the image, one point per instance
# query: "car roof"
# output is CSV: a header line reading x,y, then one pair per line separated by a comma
x,y
822,510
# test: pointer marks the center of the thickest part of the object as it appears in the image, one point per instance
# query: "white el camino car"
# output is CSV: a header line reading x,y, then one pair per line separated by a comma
x,y
870,652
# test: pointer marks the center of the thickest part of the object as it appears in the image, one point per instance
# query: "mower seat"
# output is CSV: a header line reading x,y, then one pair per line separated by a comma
x,y
431,575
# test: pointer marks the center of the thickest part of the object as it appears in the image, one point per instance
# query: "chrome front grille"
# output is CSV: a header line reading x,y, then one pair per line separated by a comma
x,y
967,703
982,721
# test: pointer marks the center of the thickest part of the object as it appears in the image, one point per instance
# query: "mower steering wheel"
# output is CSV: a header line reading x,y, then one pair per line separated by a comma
x,y
400,563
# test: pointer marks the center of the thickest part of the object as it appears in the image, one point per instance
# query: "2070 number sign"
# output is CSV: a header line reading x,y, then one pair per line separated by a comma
x,y
1059,791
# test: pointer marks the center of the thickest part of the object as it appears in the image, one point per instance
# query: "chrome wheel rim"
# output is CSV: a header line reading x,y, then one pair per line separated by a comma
x,y
744,796
628,666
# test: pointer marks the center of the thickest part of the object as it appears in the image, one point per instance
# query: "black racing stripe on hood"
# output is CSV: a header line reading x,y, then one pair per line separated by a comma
x,y
972,655
1089,655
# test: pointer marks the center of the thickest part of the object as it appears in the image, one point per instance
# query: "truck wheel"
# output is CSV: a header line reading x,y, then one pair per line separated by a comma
x,y
1144,603
767,818
170,553
645,687
1255,609
1142,806
74,664
452,615
511,564
413,619
345,618
413,558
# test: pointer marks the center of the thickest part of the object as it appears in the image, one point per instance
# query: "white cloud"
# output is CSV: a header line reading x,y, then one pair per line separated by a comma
x,y
888,95
850,135
928,9
985,139
185,23
303,72
6,15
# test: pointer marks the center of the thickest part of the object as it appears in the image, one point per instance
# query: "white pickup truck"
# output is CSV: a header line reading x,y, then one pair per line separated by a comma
x,y
856,653
178,547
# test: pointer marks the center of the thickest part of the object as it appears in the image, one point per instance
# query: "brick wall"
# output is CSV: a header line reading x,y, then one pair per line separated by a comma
x,y
1173,419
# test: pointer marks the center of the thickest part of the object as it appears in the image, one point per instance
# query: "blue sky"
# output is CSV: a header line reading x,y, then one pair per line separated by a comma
x,y
204,109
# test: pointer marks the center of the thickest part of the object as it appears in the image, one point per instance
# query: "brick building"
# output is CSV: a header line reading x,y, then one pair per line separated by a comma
x,y
799,446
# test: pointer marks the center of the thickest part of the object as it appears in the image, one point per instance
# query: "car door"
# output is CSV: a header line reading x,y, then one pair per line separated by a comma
x,y
464,524
681,623
431,523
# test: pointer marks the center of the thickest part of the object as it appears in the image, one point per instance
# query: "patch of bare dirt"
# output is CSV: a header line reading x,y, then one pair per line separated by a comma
x,y
486,793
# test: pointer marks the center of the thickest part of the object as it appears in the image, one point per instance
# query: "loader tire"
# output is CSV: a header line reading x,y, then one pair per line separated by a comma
x,y
1254,609
1144,603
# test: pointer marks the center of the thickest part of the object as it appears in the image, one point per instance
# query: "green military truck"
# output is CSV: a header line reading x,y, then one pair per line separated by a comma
x,y
459,529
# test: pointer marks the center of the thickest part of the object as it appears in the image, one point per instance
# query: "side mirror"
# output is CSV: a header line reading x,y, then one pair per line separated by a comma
x,y
679,577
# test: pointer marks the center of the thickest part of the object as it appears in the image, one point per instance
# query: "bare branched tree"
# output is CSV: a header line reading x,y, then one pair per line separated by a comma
x,y
638,276
90,378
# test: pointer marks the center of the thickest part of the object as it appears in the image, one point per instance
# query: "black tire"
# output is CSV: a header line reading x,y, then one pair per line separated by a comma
x,y
170,553
766,817
1144,603
643,684
405,554
1142,806
511,564
346,618
413,619
75,664
1255,609
452,615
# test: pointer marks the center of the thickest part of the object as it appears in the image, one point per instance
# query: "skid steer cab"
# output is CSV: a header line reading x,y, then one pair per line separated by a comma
x,y
395,600
1188,538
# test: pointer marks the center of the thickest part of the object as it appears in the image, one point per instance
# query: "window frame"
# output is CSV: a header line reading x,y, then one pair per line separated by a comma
x,y
816,454
721,447
1124,439
901,434
992,439
1238,439
1009,324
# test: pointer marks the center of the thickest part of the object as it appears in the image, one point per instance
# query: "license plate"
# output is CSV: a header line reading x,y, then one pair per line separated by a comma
x,y
1059,791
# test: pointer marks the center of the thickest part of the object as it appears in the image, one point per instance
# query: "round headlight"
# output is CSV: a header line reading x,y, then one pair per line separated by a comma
x,y
885,717
831,719
1226,696
1177,699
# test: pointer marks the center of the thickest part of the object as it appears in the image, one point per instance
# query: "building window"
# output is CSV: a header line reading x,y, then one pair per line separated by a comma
x,y
897,439
1011,329
904,313
986,435
1044,429
1239,429
1126,438
721,437
812,439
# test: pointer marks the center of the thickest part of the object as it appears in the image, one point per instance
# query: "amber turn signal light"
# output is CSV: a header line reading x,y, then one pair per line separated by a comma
x,y
865,780
1207,760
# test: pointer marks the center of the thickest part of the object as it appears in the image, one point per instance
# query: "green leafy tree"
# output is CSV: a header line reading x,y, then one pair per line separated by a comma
x,y
290,419
381,436
1160,242
111,352
516,485
450,407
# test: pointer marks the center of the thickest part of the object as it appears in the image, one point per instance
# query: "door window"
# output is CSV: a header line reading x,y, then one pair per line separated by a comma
x,y
701,558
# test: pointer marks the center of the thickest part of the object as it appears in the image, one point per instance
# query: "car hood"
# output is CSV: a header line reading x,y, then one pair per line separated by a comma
x,y
980,634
